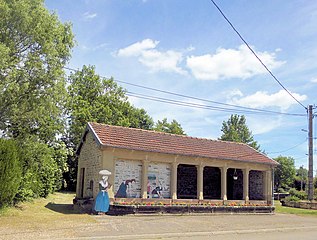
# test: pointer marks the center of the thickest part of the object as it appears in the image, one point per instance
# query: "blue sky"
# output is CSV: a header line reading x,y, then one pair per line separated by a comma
x,y
186,47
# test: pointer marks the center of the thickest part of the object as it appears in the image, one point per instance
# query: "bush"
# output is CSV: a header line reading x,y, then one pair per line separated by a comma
x,y
41,174
10,171
302,195
281,190
292,199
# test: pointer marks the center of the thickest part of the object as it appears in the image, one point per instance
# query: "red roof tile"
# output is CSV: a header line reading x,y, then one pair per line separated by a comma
x,y
152,141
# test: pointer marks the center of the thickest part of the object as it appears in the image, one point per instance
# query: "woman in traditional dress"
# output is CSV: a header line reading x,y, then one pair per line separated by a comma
x,y
102,199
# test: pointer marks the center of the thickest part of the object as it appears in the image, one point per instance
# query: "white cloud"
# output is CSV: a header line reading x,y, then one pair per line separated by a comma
x,y
152,58
230,63
314,80
262,99
233,93
138,48
264,124
88,15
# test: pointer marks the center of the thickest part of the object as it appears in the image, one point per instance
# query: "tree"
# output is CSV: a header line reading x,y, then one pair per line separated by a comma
x,y
10,171
284,173
301,178
96,99
236,130
92,98
34,46
172,127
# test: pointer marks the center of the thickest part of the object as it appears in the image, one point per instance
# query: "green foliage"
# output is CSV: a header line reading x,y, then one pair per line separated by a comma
x,y
301,178
92,98
292,199
41,173
96,99
281,190
302,195
173,127
236,130
60,155
10,171
34,47
284,173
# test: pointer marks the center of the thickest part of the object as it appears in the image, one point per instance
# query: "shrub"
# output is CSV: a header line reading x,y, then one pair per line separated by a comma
x,y
41,174
302,195
281,190
10,171
292,199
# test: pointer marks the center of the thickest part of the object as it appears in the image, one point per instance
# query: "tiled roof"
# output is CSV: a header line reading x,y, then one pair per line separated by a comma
x,y
152,141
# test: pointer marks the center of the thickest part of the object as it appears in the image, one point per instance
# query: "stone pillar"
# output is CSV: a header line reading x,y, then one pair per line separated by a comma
x,y
224,183
269,186
246,184
174,180
265,185
200,182
145,166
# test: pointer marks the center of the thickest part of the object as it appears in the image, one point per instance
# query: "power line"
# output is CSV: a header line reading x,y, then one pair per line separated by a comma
x,y
253,52
202,106
289,148
240,109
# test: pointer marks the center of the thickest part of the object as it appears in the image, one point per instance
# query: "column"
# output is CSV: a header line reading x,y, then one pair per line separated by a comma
x,y
174,180
269,186
200,182
265,185
246,184
145,166
224,183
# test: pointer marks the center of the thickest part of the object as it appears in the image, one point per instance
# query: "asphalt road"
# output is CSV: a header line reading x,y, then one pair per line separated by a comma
x,y
215,227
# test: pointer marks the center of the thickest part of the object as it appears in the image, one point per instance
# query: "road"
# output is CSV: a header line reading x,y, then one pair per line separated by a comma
x,y
215,227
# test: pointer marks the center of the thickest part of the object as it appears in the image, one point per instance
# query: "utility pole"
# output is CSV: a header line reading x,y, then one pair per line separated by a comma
x,y
301,177
310,154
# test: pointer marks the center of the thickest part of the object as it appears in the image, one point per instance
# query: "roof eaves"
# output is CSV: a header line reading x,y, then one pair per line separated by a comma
x,y
189,155
95,134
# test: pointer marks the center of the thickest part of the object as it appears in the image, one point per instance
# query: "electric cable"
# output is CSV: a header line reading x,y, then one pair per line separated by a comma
x,y
248,109
288,148
253,52
202,106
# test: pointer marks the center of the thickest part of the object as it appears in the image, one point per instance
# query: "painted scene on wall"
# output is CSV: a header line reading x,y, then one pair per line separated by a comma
x,y
158,185
127,179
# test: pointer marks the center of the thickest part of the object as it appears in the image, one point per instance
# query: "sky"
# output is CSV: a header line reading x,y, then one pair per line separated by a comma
x,y
187,48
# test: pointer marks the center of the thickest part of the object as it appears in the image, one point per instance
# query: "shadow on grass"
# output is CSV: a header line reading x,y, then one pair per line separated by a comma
x,y
62,208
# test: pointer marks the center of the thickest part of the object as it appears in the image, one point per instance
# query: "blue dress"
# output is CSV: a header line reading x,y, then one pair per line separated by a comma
x,y
102,200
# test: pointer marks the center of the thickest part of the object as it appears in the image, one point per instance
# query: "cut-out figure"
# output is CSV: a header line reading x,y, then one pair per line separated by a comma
x,y
102,200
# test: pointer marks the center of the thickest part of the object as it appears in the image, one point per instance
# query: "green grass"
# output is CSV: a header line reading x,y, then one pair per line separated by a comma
x,y
52,212
289,210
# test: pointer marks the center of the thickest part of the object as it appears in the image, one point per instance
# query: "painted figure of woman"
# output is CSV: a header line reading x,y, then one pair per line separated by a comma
x,y
102,200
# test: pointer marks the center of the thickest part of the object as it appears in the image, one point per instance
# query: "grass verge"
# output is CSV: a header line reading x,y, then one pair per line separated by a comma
x,y
54,212
289,210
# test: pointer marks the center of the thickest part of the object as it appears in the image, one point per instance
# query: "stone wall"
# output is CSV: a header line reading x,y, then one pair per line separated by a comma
x,y
186,181
90,160
256,185
212,183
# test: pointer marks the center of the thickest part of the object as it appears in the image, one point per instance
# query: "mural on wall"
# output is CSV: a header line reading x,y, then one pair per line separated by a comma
x,y
127,179
159,179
